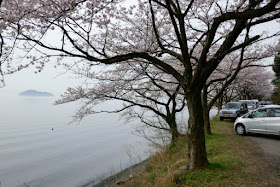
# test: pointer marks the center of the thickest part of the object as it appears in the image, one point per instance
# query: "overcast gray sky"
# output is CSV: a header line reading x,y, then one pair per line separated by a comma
x,y
50,79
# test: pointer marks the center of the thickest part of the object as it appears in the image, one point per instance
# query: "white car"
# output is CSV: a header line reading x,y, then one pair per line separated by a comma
x,y
264,120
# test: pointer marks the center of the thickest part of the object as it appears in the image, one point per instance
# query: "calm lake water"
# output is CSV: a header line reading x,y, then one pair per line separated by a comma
x,y
39,148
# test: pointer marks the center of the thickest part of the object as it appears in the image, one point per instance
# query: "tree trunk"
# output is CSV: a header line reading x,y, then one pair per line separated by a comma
x,y
196,137
175,135
219,106
173,128
220,103
207,127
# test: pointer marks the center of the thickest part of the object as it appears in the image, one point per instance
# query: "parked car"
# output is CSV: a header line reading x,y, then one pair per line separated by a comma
x,y
250,104
256,103
264,103
265,120
232,110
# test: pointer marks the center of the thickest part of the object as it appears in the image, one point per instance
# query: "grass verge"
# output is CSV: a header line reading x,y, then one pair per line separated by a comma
x,y
233,162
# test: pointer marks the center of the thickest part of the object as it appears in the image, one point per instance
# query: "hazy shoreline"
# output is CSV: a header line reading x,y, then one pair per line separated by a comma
x,y
119,177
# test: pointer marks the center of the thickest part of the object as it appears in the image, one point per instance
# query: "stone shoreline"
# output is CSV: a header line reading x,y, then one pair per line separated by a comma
x,y
121,177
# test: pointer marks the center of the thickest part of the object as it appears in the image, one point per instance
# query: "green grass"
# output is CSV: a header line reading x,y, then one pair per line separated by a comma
x,y
228,156
225,163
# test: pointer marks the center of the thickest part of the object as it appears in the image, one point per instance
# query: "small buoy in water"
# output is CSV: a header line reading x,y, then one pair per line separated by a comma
x,y
52,129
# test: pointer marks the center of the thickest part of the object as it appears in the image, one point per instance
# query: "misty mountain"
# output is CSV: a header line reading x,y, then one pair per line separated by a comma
x,y
36,93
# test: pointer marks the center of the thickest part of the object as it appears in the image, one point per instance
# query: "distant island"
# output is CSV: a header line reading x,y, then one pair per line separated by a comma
x,y
35,93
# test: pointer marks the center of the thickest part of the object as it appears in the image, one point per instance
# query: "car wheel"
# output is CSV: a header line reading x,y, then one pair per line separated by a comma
x,y
240,129
221,119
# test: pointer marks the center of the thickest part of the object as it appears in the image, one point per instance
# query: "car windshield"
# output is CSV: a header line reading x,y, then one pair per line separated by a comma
x,y
246,115
259,113
232,105
249,103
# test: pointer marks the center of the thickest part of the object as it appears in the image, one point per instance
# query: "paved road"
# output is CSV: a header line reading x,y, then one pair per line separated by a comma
x,y
270,145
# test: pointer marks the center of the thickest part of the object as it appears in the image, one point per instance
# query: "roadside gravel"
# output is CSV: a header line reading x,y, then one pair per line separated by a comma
x,y
270,145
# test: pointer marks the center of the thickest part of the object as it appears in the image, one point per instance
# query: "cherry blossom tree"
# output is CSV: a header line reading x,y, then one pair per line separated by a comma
x,y
251,83
199,34
1,52
254,83
148,94
223,77
276,81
